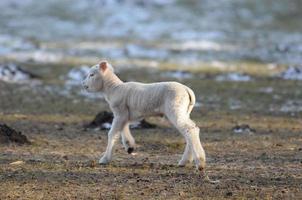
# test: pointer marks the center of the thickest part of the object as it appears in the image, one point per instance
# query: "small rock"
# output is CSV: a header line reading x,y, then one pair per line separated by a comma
x,y
278,179
243,128
65,157
8,134
228,194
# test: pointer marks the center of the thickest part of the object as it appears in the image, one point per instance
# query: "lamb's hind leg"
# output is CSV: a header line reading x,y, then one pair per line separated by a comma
x,y
127,139
197,149
191,132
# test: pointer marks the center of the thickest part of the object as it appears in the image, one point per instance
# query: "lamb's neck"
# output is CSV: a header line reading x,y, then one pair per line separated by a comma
x,y
110,83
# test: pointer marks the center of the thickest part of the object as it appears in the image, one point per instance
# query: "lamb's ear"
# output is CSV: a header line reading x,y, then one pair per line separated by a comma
x,y
103,66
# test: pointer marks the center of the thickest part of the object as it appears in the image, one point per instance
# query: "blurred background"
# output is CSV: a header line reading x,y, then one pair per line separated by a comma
x,y
184,33
51,44
55,41
242,58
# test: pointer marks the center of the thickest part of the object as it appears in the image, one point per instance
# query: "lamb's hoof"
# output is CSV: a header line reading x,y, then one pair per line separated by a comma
x,y
130,150
200,168
104,160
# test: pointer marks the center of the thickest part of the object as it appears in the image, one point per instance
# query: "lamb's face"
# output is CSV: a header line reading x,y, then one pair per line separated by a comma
x,y
94,80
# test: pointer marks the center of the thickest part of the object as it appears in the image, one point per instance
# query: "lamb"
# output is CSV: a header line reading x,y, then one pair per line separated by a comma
x,y
132,101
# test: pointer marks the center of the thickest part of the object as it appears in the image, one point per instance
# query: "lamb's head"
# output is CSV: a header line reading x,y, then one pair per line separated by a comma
x,y
94,81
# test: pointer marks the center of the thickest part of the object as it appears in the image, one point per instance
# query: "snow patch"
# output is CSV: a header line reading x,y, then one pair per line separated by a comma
x,y
292,73
76,75
291,106
74,80
143,52
178,74
236,77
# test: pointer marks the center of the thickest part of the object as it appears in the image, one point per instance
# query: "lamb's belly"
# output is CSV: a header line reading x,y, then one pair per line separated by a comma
x,y
137,114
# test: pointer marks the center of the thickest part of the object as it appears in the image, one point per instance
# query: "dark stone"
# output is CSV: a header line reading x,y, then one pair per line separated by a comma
x,y
13,69
8,135
228,194
146,125
100,119
30,74
107,117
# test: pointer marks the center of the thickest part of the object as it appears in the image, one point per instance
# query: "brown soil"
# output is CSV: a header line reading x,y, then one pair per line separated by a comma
x,y
62,161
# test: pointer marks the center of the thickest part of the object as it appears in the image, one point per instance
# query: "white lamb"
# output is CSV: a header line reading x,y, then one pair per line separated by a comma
x,y
132,101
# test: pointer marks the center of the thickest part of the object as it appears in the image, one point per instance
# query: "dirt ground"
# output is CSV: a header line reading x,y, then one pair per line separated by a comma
x,y
61,162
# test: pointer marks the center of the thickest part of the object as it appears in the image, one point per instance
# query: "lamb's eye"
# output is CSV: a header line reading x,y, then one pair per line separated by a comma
x,y
91,75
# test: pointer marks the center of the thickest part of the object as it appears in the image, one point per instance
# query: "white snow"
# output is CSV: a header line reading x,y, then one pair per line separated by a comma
x,y
74,80
106,125
133,125
143,52
292,73
291,106
178,74
76,75
233,77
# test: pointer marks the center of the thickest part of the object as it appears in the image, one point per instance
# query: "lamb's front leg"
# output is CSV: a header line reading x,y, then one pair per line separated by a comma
x,y
113,135
127,139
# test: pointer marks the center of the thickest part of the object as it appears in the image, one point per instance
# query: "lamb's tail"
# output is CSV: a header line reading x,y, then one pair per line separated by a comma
x,y
192,99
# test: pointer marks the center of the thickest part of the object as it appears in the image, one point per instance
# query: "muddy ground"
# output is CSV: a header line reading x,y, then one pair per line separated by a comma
x,y
61,161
